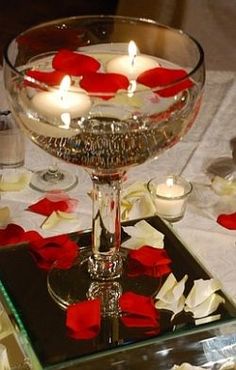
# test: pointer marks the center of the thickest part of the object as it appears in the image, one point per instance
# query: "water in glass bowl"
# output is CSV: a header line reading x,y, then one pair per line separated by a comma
x,y
106,133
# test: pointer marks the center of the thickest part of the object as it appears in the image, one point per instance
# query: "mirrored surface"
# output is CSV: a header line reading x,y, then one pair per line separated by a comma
x,y
43,321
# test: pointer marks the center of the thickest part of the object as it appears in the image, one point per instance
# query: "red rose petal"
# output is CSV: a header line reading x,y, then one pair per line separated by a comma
x,y
57,248
227,220
148,261
30,236
133,303
61,195
99,84
15,234
83,319
12,234
73,63
149,256
159,76
138,311
46,207
50,78
45,250
138,322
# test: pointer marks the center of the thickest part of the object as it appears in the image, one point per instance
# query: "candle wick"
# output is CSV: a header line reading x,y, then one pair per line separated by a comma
x,y
61,95
133,59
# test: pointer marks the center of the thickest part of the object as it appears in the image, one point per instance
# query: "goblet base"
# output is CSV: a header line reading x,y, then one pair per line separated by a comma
x,y
44,180
69,285
76,283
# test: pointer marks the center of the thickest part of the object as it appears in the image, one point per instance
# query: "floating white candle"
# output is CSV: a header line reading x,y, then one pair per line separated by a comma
x,y
55,103
131,65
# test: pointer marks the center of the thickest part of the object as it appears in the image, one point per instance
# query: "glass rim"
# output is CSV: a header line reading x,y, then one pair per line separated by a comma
x,y
179,197
44,85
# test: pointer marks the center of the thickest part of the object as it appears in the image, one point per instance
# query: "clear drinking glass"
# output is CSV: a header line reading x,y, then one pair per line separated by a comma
x,y
12,142
108,129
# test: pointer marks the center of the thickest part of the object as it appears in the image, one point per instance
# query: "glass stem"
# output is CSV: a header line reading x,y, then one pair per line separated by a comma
x,y
53,174
106,262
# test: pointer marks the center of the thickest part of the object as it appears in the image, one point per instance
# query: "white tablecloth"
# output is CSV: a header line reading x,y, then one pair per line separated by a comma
x,y
213,245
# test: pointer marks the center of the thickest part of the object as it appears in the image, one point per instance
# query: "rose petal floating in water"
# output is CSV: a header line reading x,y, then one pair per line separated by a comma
x,y
73,63
51,78
103,85
160,76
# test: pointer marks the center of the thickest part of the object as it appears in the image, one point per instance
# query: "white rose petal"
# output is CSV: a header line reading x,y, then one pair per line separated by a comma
x,y
175,306
223,186
186,366
4,215
142,233
14,183
4,361
66,215
55,218
170,297
207,319
136,202
146,206
201,290
134,190
207,307
172,290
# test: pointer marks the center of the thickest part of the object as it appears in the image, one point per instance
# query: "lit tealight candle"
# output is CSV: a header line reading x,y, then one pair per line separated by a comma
x,y
131,65
170,197
55,103
169,189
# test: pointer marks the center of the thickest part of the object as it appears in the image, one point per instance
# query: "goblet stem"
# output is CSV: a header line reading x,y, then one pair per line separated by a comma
x,y
53,174
109,293
53,178
106,261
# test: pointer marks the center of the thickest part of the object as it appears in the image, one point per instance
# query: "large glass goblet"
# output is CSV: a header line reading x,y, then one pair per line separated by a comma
x,y
123,106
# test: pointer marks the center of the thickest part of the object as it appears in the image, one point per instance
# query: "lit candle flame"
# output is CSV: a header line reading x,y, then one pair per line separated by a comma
x,y
64,86
170,182
132,50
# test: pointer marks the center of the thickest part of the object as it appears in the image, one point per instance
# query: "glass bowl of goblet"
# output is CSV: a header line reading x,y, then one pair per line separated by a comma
x,y
106,93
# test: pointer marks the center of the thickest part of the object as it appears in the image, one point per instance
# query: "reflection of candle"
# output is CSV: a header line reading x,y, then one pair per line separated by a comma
x,y
131,65
170,199
55,103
